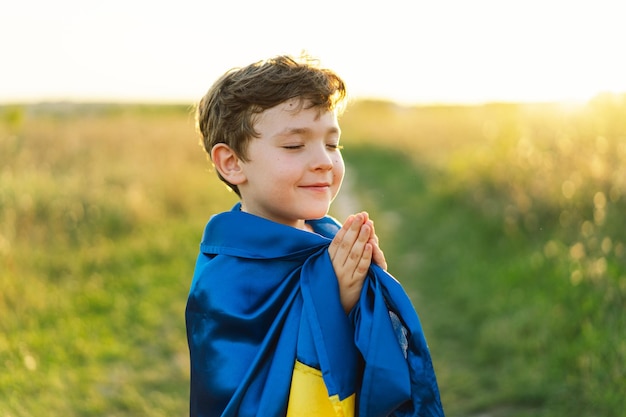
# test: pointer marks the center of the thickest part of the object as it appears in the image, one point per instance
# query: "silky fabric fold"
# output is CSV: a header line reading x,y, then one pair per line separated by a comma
x,y
264,295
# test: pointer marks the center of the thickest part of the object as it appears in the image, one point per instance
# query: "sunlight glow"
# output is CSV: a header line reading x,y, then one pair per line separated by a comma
x,y
410,52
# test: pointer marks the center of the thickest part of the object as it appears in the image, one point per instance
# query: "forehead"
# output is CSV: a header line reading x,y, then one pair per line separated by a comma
x,y
295,113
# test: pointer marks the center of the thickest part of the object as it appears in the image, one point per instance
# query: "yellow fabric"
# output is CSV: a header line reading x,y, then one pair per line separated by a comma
x,y
308,396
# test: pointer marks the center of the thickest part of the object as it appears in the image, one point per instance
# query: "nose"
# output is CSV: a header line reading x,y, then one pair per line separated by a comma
x,y
322,158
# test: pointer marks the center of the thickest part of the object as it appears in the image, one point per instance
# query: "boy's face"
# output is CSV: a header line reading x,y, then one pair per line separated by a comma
x,y
295,167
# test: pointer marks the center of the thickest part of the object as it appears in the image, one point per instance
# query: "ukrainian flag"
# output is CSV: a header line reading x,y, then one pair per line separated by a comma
x,y
268,336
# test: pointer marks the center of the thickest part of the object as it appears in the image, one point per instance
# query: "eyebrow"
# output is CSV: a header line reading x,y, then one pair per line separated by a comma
x,y
290,131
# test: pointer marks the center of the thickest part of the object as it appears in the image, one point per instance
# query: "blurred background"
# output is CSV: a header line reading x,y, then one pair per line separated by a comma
x,y
487,139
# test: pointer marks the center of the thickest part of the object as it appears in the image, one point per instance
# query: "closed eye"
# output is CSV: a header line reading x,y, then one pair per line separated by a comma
x,y
334,146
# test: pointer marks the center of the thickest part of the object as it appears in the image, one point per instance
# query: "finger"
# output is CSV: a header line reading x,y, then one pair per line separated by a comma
x,y
334,245
348,240
358,247
378,255
364,263
374,235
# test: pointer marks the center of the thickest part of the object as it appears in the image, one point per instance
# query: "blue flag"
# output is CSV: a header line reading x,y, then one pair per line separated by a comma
x,y
264,303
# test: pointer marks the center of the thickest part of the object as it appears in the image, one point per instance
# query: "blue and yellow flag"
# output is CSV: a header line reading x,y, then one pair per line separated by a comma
x,y
268,336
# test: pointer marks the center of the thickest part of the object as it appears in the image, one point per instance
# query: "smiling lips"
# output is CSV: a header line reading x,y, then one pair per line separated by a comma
x,y
316,187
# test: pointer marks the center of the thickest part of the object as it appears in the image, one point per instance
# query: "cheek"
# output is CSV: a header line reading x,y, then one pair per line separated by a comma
x,y
339,166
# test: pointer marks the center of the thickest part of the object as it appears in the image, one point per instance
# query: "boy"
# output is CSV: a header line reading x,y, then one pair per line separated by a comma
x,y
290,313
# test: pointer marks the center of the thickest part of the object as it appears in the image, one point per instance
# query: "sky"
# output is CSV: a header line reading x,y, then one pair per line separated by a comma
x,y
412,52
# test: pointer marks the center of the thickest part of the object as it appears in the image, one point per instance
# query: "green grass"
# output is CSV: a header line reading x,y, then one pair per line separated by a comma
x,y
522,299
101,215
505,223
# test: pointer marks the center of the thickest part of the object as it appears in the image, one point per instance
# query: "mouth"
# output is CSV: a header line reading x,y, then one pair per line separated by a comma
x,y
316,187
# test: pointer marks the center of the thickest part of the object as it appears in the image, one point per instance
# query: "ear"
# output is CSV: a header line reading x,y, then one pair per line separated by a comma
x,y
228,164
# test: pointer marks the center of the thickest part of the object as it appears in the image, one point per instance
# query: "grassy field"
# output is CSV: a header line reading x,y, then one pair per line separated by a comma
x,y
506,224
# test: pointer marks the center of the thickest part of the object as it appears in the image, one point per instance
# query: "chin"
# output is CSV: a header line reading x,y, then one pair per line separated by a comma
x,y
317,214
